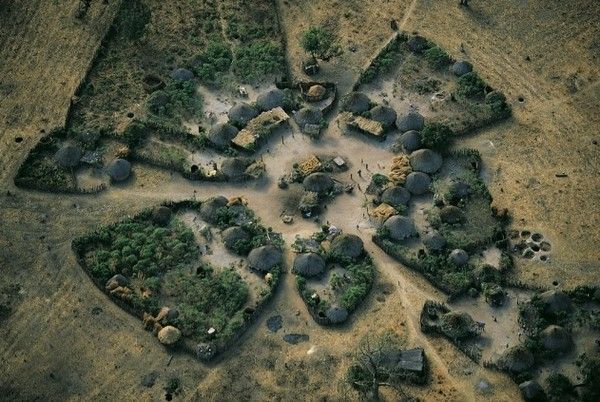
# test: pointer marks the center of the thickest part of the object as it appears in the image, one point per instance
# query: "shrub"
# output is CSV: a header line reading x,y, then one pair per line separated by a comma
x,y
436,136
256,60
497,103
560,388
320,43
437,58
213,63
132,20
470,85
178,100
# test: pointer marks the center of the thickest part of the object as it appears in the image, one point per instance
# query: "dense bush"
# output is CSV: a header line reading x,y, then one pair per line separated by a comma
x,y
211,65
470,85
177,101
437,58
320,43
254,61
384,62
436,136
131,20
497,103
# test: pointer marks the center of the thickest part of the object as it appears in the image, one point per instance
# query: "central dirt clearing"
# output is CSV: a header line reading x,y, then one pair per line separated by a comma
x,y
71,342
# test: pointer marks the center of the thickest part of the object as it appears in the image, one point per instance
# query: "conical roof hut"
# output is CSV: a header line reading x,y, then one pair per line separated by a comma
x,y
270,100
308,115
417,183
417,43
516,360
220,135
210,207
426,161
459,257
240,114
356,102
555,302
182,74
395,196
400,227
347,245
336,314
68,156
434,241
384,115
264,258
556,339
318,183
461,68
232,235
309,264
412,120
410,140
119,170
234,168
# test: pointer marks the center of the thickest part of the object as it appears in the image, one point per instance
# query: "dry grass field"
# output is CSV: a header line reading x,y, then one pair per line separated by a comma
x,y
65,340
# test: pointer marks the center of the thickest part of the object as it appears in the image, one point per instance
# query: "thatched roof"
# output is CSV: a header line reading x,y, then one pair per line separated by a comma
x,y
555,303
532,391
459,257
232,235
270,100
556,339
119,170
309,264
417,43
461,68
209,208
336,314
308,115
220,135
169,335
234,168
516,360
240,114
412,120
384,115
395,196
347,245
400,227
356,102
68,156
161,216
316,92
426,161
264,258
410,140
434,241
182,74
451,214
417,183
318,183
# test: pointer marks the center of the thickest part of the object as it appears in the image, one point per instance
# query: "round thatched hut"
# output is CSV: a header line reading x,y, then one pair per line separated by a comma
x,y
356,102
270,100
318,183
417,183
240,114
412,120
119,170
461,68
411,140
555,302
264,258
556,339
234,169
68,156
309,264
400,227
161,216
384,115
459,257
417,43
426,161
210,207
395,196
336,314
234,234
516,360
347,245
308,115
316,93
182,74
434,241
220,135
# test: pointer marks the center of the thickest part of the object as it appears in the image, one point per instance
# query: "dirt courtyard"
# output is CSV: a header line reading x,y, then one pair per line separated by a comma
x,y
65,340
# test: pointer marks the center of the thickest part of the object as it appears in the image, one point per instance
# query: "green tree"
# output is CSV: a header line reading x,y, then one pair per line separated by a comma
x,y
320,43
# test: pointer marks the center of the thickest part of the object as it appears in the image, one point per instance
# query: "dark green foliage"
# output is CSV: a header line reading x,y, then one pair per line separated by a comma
x,y
498,106
436,136
254,61
173,385
590,369
320,43
470,85
359,378
131,20
426,85
357,286
385,61
178,100
437,58
213,63
9,294
135,133
560,388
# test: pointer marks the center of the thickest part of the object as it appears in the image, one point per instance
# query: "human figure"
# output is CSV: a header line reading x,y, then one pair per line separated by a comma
x,y
464,3
359,173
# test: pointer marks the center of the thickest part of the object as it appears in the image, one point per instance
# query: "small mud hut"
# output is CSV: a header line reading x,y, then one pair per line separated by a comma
x,y
385,115
119,170
412,120
348,245
410,140
270,100
240,114
319,183
356,102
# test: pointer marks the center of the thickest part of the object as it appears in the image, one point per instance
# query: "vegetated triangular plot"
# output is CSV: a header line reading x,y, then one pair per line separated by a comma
x,y
196,272
334,274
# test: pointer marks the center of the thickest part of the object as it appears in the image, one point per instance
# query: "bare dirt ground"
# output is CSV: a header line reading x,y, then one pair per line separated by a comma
x,y
67,341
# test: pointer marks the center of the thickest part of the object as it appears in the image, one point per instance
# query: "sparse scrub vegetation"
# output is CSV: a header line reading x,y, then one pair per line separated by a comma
x,y
437,58
470,85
